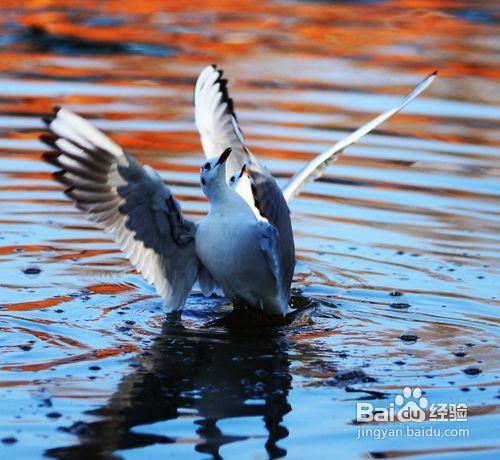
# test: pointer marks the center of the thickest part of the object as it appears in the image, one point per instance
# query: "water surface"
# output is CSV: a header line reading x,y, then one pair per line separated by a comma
x,y
398,240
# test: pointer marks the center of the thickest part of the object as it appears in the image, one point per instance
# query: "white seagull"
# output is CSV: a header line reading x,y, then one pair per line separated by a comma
x,y
244,247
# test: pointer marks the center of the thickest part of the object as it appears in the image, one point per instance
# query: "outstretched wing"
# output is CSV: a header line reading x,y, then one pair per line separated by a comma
x,y
127,200
216,121
315,168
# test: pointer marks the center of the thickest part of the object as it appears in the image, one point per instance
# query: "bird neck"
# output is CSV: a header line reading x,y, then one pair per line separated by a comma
x,y
224,199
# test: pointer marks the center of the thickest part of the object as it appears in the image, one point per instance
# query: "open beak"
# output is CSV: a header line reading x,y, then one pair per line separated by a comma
x,y
225,155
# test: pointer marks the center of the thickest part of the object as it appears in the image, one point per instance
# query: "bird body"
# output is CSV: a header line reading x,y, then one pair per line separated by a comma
x,y
231,251
244,246
231,244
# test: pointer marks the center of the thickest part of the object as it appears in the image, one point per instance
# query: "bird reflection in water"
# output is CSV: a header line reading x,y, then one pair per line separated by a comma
x,y
214,373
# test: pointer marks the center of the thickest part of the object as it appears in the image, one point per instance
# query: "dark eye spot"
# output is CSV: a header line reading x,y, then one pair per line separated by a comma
x,y
206,166
203,181
231,180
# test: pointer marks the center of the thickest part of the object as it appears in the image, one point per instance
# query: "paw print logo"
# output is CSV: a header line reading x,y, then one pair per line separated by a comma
x,y
411,405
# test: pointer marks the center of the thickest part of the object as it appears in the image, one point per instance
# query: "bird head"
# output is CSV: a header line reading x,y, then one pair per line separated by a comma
x,y
213,174
233,180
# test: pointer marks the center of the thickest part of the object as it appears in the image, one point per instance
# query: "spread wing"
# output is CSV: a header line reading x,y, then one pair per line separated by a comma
x,y
216,121
316,166
128,201
218,127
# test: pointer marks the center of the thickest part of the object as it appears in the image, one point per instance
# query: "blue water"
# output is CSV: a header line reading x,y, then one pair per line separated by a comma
x,y
89,365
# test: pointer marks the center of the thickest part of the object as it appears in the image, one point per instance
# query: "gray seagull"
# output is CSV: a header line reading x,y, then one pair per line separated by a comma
x,y
244,247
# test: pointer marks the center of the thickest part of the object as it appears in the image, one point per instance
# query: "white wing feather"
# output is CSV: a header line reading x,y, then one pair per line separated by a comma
x,y
216,121
315,168
128,201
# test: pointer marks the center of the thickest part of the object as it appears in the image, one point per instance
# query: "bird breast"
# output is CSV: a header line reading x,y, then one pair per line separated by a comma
x,y
229,248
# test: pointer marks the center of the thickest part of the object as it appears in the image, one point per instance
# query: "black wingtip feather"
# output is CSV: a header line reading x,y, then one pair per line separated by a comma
x,y
225,94
59,176
56,108
51,158
68,192
47,121
49,140
62,180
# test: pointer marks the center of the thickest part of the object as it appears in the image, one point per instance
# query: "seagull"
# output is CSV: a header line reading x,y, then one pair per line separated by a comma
x,y
243,248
